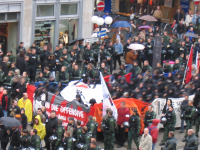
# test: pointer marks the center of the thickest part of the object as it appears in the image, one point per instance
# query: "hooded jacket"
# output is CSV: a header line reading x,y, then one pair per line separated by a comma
x,y
27,105
153,131
41,131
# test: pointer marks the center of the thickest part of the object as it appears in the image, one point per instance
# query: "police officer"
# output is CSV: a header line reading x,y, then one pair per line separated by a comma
x,y
190,114
134,129
111,50
66,56
59,134
104,54
146,67
86,55
149,51
103,67
44,55
163,52
191,141
35,140
94,146
57,54
171,49
184,105
170,124
90,73
33,63
182,49
63,76
91,127
149,116
85,138
109,130
197,119
67,142
167,67
76,73
171,143
77,132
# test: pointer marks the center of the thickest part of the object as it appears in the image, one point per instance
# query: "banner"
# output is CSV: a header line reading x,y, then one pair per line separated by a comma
x,y
158,105
157,51
131,103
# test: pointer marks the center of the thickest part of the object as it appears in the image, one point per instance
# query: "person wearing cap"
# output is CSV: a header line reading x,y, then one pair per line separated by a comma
x,y
134,129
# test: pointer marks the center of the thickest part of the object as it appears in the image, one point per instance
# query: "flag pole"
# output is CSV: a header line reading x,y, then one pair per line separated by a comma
x,y
187,64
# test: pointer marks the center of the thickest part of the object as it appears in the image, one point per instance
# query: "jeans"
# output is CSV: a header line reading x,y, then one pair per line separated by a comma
x,y
128,35
129,66
5,113
182,125
12,148
153,146
180,36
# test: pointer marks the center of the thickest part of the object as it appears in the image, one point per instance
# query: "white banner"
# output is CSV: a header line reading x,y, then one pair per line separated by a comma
x,y
86,91
159,103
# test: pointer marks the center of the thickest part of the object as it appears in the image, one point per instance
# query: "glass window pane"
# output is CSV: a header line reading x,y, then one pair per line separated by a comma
x,y
44,34
11,16
2,16
68,30
68,9
45,10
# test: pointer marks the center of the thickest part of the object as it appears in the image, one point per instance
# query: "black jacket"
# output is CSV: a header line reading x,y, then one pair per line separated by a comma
x,y
178,17
24,121
4,68
15,138
45,55
21,64
22,89
52,65
16,110
1,111
180,28
184,105
3,134
51,126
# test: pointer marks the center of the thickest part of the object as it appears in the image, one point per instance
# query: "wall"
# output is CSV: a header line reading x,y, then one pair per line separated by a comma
x,y
115,7
12,37
88,10
27,22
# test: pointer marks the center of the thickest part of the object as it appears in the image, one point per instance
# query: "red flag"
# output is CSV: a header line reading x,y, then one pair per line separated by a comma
x,y
189,65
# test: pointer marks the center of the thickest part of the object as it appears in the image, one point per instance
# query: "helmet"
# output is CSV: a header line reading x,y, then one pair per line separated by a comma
x,y
73,139
126,125
91,60
163,120
80,146
52,138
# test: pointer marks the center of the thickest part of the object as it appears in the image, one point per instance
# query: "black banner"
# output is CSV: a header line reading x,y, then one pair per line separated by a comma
x,y
157,50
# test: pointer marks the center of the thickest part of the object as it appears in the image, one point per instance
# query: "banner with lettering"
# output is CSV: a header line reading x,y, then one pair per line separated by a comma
x,y
159,103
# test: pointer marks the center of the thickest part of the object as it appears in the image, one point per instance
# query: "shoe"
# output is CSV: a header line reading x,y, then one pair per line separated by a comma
x,y
181,132
119,146
162,143
183,140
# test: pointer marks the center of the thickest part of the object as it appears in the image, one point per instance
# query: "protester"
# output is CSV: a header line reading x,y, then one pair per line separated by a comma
x,y
153,131
24,119
41,130
14,134
13,109
25,103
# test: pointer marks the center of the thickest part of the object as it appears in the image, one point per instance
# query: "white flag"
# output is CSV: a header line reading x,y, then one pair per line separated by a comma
x,y
107,100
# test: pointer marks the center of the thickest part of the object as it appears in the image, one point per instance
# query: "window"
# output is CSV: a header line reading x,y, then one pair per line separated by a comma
x,y
44,33
68,9
45,10
2,16
12,16
68,31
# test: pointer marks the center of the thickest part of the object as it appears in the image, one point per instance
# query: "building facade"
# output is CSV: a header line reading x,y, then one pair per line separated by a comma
x,y
45,22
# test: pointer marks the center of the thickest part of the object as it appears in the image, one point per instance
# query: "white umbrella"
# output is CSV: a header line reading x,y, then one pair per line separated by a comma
x,y
136,47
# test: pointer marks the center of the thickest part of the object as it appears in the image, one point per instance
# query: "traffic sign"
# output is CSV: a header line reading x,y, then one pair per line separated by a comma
x,y
100,6
101,33
91,40
196,2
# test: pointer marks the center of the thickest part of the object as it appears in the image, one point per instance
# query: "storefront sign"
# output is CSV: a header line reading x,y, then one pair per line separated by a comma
x,y
185,5
168,3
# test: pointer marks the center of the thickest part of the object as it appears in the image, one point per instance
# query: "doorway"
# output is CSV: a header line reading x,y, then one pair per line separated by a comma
x,y
8,36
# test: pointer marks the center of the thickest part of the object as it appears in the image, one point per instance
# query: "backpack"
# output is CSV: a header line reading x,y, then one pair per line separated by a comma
x,y
151,129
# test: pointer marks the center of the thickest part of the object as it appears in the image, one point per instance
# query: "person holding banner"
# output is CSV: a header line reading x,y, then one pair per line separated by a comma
x,y
190,114
170,124
134,129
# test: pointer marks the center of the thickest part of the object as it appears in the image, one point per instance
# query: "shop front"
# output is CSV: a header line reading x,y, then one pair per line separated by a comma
x,y
55,23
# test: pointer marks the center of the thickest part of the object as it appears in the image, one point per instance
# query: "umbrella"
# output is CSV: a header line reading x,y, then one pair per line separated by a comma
x,y
11,122
123,24
136,47
97,30
189,34
146,27
148,18
74,41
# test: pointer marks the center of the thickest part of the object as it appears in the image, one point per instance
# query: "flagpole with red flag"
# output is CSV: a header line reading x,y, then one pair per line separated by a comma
x,y
188,70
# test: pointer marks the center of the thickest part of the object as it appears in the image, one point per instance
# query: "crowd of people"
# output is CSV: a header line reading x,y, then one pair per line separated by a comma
x,y
58,68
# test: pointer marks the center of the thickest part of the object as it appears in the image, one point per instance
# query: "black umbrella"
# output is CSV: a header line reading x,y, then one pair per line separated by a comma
x,y
74,41
11,122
